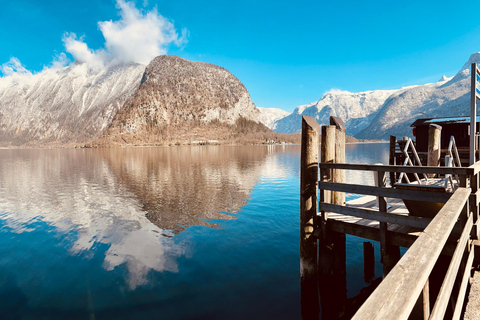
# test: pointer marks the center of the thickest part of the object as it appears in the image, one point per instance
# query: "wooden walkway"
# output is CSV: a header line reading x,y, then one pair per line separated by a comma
x,y
400,235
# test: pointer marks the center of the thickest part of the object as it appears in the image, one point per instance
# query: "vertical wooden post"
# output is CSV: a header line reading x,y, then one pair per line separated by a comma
x,y
390,254
426,300
391,159
327,155
368,262
434,147
308,212
474,185
339,175
332,245
473,112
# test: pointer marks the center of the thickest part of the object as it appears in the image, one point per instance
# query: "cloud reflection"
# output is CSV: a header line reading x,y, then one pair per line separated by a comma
x,y
133,200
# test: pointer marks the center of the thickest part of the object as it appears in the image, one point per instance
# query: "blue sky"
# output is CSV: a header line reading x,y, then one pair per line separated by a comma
x,y
287,53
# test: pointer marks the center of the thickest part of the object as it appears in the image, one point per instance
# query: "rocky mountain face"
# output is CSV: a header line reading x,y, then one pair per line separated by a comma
x,y
68,105
179,99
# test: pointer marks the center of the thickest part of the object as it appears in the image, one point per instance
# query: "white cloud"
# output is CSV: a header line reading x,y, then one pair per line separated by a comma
x,y
59,61
336,91
81,53
136,37
14,68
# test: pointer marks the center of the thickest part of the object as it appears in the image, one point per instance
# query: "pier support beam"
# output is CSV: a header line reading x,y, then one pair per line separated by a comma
x,y
308,212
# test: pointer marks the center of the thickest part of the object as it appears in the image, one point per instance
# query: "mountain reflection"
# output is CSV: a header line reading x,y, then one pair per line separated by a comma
x,y
133,200
184,186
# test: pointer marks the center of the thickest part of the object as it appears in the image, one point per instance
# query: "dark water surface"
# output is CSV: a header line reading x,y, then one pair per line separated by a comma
x,y
208,232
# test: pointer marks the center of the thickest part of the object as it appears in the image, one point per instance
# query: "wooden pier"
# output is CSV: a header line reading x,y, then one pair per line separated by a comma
x,y
431,280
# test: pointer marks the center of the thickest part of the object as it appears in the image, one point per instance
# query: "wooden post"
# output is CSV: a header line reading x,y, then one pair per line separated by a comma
x,y
308,212
426,300
434,147
474,206
327,155
368,262
332,246
339,175
390,254
391,160
473,112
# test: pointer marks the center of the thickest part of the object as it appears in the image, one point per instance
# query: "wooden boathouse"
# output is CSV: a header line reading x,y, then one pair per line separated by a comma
x,y
432,278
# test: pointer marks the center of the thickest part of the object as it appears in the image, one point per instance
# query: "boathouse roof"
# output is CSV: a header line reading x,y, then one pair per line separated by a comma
x,y
447,120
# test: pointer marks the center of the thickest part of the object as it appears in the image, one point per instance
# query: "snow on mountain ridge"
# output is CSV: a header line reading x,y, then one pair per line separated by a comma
x,y
441,99
63,104
344,104
269,116
379,113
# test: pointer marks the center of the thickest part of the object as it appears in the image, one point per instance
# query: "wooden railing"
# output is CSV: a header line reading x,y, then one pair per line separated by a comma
x,y
396,296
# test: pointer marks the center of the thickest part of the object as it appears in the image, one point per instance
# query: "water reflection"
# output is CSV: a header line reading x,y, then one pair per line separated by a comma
x,y
132,200
370,153
178,187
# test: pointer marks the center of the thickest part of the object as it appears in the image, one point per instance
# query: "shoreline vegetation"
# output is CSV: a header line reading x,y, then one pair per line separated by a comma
x,y
187,133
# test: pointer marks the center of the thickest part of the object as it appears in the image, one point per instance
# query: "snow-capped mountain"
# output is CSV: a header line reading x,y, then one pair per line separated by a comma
x,y
446,98
380,113
168,99
270,116
356,109
65,105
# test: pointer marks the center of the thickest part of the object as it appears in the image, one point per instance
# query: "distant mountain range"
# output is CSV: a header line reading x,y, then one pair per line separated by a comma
x,y
379,113
169,101
176,101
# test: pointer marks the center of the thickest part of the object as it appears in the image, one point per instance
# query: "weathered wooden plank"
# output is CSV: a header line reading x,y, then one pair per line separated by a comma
x,y
475,167
426,300
400,236
410,221
441,304
463,286
393,227
385,192
395,297
407,169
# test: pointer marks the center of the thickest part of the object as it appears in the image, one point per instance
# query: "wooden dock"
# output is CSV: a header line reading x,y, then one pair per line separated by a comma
x,y
431,280
345,222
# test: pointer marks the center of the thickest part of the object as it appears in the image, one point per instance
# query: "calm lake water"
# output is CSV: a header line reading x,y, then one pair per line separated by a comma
x,y
207,232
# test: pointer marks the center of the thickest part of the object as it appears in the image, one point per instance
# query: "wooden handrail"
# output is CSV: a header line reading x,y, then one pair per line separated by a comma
x,y
409,221
440,306
475,167
396,168
396,296
386,192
